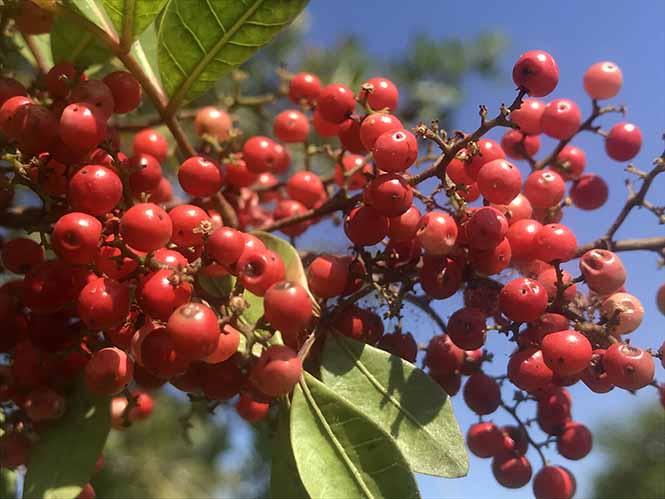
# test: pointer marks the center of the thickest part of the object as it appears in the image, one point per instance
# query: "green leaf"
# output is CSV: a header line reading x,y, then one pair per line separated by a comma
x,y
71,43
400,398
132,17
285,483
64,460
341,453
202,40
8,479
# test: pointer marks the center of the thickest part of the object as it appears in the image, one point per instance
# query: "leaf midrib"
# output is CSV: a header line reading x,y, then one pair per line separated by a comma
x,y
183,88
127,34
336,443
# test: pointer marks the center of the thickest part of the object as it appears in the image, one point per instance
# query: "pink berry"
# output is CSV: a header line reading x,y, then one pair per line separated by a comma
x,y
603,80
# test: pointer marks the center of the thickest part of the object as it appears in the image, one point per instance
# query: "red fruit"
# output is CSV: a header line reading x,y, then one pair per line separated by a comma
x,y
44,404
287,208
7,113
628,367
227,344
304,86
288,308
488,150
237,173
259,269
221,381
518,209
483,294
95,93
516,144
570,162
515,440
527,117
9,88
75,238
521,235
384,94
499,181
108,371
103,304
349,135
450,383
575,442
486,228
523,300
327,276
484,439
364,226
623,142
351,162
146,227
145,174
528,371
260,155
553,482
21,254
149,141
395,151
536,72
603,80
457,173
555,242
436,232
322,127
401,344
163,193
187,223
305,187
405,226
511,472
200,177
590,192
482,394
34,127
251,410
390,194
566,352
544,188
467,328
277,371
602,271
156,353
442,356
125,89
225,245
548,278
440,277
159,293
214,122
14,450
360,324
291,126
375,125
194,331
49,286
94,190
594,376
335,103
561,119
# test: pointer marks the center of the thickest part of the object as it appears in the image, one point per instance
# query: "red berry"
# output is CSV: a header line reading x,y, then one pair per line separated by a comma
x,y
375,125
561,119
251,410
94,190
305,187
7,113
103,304
384,95
623,142
291,126
155,351
594,376
486,228
75,238
440,277
260,154
200,176
44,404
395,151
159,294
499,181
108,371
364,226
225,245
125,89
149,141
405,226
21,254
288,308
516,144
523,300
9,88
349,135
548,278
590,192
521,235
163,193
553,482
491,261
146,227
544,188
49,286
259,269
603,271
484,439
95,93
322,127
390,194
277,371
536,71
467,328
327,276
574,160
187,223
628,367
527,369
482,394
214,122
335,103
566,352
603,80
227,344
287,208
510,471
527,117
402,345
443,356
457,172
518,209
222,381
555,242
575,442
360,324
304,86
34,127
194,331
351,162
145,174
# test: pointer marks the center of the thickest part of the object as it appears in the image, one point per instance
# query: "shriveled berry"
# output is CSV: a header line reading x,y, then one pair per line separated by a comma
x,y
603,271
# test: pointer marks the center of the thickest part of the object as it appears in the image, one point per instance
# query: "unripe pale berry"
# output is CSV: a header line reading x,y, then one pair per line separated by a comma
x,y
623,311
603,271
213,121
628,367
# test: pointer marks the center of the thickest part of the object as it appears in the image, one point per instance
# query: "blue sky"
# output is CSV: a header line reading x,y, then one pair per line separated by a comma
x,y
577,34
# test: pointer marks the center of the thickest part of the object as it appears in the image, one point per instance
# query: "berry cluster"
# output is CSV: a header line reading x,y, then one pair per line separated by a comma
x,y
114,289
